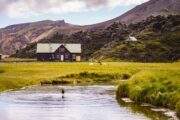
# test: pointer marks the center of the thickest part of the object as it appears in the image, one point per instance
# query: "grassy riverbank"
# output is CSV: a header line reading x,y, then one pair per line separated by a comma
x,y
157,87
155,83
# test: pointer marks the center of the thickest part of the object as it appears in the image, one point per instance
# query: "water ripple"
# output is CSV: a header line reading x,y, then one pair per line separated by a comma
x,y
79,103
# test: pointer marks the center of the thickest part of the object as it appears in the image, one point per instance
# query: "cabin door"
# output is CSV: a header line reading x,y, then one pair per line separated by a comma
x,y
62,57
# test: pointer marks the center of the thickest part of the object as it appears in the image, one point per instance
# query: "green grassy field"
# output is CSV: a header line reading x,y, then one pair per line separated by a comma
x,y
155,83
15,75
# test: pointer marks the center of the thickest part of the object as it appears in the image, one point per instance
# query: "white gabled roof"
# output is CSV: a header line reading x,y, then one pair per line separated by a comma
x,y
52,47
73,48
47,48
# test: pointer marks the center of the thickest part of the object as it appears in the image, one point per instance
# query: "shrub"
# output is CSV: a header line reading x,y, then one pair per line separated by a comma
x,y
122,90
95,77
1,71
126,76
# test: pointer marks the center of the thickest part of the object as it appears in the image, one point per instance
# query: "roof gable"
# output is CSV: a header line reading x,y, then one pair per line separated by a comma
x,y
62,46
52,47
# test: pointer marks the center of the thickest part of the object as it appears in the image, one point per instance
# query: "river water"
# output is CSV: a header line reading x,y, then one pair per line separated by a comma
x,y
79,103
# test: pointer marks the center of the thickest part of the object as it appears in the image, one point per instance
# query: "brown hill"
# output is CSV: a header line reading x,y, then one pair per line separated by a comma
x,y
18,36
145,10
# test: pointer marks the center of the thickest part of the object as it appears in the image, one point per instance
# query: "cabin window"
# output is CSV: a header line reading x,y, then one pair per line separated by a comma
x,y
52,56
62,49
74,56
57,56
67,56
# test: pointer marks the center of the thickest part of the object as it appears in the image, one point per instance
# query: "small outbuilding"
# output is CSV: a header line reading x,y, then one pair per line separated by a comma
x,y
58,52
131,38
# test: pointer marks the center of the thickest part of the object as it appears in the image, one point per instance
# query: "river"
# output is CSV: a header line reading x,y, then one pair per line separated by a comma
x,y
79,103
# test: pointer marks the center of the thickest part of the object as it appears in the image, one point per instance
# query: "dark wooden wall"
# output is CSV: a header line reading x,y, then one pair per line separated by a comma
x,y
56,56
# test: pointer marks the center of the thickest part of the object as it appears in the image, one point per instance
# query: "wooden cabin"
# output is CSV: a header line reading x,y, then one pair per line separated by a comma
x,y
58,52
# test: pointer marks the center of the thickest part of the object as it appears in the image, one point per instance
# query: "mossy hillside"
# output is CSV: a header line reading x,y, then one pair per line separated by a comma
x,y
158,41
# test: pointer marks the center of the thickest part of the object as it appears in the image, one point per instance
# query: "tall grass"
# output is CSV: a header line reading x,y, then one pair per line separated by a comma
x,y
157,87
16,75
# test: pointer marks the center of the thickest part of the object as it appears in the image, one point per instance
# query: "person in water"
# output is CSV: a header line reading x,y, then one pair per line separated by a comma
x,y
63,92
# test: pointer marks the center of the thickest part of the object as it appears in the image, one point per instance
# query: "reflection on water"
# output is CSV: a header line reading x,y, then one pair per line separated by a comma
x,y
146,110
79,103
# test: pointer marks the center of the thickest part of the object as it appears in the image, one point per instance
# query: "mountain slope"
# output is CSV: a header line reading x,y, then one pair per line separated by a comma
x,y
18,36
145,10
151,8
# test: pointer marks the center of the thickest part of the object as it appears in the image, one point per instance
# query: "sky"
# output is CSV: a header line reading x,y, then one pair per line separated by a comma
x,y
79,12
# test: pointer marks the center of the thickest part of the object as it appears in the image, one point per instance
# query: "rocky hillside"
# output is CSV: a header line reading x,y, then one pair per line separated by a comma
x,y
16,37
158,41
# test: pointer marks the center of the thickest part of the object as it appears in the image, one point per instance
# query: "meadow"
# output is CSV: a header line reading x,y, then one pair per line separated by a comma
x,y
154,83
17,75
